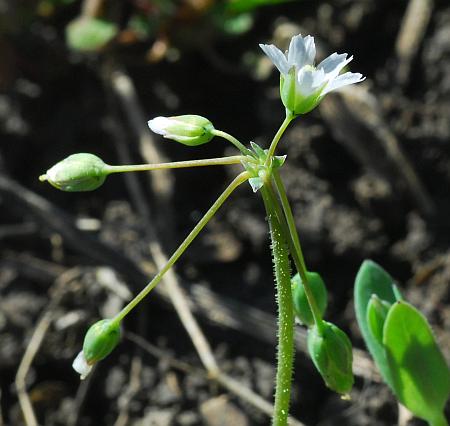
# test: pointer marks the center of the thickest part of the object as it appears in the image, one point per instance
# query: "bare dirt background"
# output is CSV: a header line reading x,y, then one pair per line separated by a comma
x,y
368,173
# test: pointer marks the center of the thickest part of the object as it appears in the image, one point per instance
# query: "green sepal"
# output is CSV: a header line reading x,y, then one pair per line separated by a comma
x,y
293,100
419,372
300,301
331,353
100,340
77,173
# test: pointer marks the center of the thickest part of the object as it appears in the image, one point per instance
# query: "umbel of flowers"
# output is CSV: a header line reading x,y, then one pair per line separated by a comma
x,y
302,86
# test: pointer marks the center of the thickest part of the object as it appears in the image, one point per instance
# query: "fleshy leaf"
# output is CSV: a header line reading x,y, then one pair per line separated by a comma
x,y
420,375
377,311
373,279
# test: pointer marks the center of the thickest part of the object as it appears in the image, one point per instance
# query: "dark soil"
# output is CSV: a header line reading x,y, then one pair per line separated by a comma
x,y
349,206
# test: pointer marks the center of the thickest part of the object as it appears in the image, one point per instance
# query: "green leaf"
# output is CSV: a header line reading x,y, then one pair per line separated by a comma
x,y
89,34
238,24
377,311
373,279
239,6
420,375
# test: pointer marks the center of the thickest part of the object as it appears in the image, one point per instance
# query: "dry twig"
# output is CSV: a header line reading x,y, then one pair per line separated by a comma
x,y
35,343
412,31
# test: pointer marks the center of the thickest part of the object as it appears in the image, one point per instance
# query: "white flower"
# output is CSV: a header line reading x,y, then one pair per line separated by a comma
x,y
81,366
303,85
188,129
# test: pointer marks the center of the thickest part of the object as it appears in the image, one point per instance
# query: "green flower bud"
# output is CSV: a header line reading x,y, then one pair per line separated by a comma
x,y
100,340
377,311
331,353
301,305
191,130
77,173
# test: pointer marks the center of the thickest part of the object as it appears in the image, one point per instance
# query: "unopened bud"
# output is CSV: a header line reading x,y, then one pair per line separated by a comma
x,y
300,301
377,311
191,130
331,352
77,173
100,340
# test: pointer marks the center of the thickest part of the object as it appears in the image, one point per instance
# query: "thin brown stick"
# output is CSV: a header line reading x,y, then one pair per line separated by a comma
x,y
133,387
35,344
91,8
412,31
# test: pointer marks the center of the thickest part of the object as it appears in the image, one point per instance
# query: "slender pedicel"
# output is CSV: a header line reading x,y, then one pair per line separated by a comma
x,y
221,161
289,234
238,180
233,140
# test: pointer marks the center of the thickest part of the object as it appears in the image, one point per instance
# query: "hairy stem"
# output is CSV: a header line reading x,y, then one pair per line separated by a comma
x,y
238,180
296,249
285,354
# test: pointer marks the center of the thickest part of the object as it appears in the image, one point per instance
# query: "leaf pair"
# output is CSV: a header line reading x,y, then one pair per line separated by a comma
x,y
402,345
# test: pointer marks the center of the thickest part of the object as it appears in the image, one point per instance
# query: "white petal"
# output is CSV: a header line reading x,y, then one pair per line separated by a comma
x,y
310,50
343,80
81,366
302,51
310,80
296,52
159,125
334,63
276,56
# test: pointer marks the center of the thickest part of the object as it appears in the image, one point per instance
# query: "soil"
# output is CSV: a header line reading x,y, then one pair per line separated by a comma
x,y
352,199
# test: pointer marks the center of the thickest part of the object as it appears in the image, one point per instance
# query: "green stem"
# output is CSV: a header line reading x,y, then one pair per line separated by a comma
x,y
223,161
233,140
238,180
273,145
296,249
285,355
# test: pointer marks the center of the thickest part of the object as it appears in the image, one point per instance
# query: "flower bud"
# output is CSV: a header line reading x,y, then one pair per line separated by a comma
x,y
377,311
100,340
77,173
331,353
191,130
300,301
